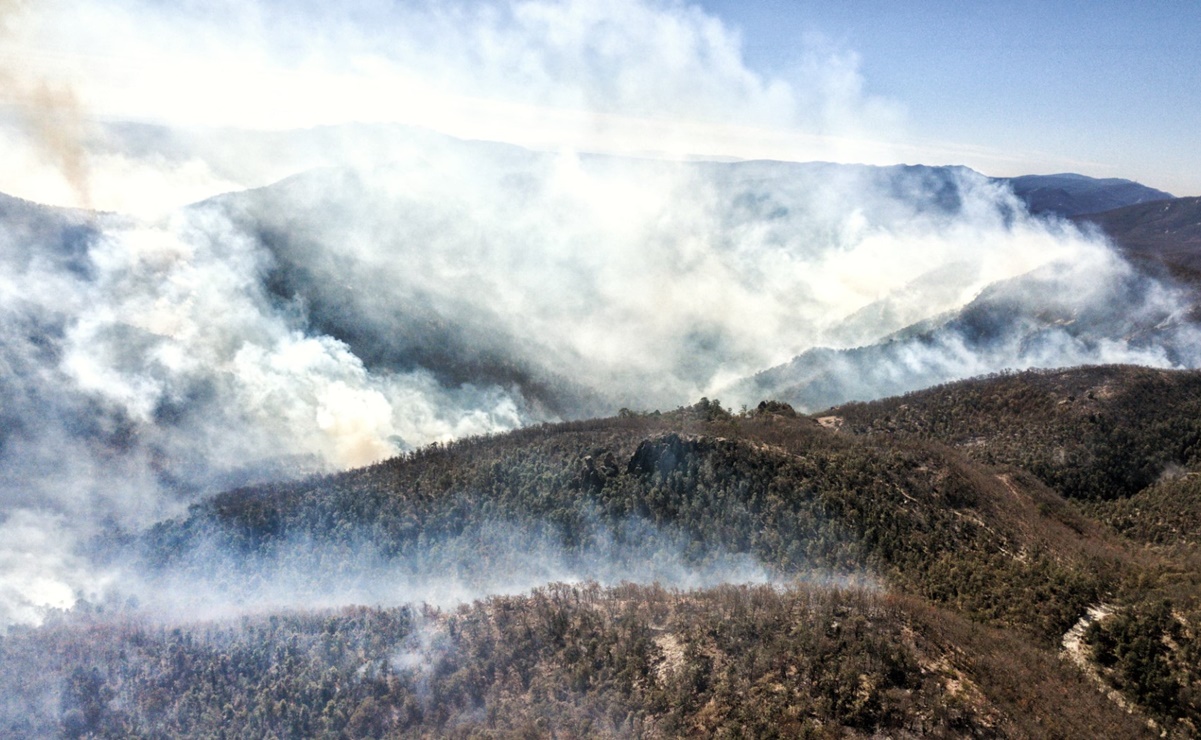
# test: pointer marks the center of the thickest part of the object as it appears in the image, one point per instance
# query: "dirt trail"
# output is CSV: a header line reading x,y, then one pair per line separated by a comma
x,y
831,422
1008,482
1075,650
1073,639
673,655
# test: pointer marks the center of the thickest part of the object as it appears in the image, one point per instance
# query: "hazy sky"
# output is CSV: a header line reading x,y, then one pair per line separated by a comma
x,y
1105,89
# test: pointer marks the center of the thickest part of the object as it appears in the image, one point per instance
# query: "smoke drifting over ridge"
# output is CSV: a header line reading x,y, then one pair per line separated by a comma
x,y
425,288
347,314
1099,310
207,580
630,76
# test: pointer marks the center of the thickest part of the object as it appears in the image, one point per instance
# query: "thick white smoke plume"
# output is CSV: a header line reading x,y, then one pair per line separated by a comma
x,y
348,314
627,76
418,287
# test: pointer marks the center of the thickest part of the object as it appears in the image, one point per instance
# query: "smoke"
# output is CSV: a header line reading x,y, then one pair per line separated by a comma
x,y
646,283
408,287
348,314
1096,309
40,569
630,76
208,581
48,113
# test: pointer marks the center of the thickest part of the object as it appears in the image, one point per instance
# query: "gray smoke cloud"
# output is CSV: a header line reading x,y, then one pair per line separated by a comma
x,y
417,287
648,283
207,581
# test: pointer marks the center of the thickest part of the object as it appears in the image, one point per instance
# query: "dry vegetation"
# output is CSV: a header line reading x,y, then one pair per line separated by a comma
x,y
566,661
982,520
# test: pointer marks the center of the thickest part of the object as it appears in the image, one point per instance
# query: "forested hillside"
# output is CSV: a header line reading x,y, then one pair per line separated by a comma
x,y
566,661
985,558
799,499
1090,433
359,366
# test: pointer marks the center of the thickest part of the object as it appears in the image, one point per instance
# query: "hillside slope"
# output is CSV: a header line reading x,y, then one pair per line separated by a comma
x,y
632,661
1167,232
801,501
1091,433
1041,319
1126,442
919,577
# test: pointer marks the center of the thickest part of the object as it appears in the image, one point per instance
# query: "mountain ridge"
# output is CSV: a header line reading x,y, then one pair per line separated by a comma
x,y
1071,194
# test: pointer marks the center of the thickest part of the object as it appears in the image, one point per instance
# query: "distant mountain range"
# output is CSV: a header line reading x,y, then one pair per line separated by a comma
x,y
1071,195
291,219
421,277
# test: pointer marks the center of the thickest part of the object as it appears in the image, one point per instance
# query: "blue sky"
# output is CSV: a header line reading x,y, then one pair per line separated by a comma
x,y
1114,86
